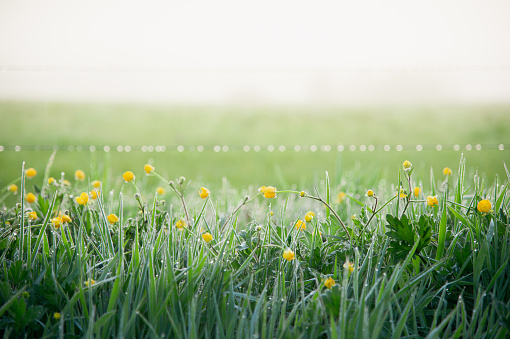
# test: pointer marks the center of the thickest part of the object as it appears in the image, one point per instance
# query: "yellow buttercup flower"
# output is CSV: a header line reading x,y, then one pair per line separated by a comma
x,y
349,266
56,315
340,198
57,221
160,190
204,192
112,218
370,193
432,201
300,224
484,206
302,194
148,168
207,237
90,282
30,198
30,173
407,165
270,192
128,176
402,194
51,181
309,216
95,194
32,215
288,254
416,191
66,218
67,182
329,282
12,188
447,171
83,198
262,189
96,183
180,223
79,175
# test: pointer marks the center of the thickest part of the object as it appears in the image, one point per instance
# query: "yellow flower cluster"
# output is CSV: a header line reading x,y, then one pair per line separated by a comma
x,y
288,254
204,192
30,198
300,225
484,206
432,201
112,218
30,173
79,175
329,282
269,191
83,199
309,216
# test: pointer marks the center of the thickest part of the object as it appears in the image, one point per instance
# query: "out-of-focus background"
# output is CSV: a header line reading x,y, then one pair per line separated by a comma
x,y
258,93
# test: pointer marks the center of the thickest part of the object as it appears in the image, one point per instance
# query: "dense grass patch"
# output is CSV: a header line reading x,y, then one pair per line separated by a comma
x,y
325,259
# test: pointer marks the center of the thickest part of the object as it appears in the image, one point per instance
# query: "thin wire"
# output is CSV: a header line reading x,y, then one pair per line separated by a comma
x,y
256,148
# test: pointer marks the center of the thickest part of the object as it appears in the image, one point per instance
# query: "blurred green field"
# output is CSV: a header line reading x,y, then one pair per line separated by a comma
x,y
38,123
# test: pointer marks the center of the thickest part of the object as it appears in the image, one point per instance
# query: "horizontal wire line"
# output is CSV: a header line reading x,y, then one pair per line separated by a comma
x,y
256,148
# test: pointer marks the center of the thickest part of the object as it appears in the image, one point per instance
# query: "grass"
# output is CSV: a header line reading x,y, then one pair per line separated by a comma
x,y
43,123
401,269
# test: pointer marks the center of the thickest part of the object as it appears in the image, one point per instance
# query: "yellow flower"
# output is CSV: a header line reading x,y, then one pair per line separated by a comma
x,y
407,165
432,201
56,315
66,218
204,192
83,198
12,188
51,181
402,194
30,173
148,168
447,171
79,175
180,223
67,182
207,237
57,221
270,192
30,198
288,254
349,266
340,198
90,282
271,213
300,224
160,190
370,193
302,194
262,189
112,218
329,282
128,176
96,183
32,215
95,194
309,216
417,191
484,206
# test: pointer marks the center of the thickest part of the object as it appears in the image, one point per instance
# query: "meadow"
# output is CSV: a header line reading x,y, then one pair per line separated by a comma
x,y
48,124
268,244
173,259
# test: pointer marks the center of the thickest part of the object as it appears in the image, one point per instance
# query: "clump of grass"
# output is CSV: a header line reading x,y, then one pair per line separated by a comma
x,y
346,259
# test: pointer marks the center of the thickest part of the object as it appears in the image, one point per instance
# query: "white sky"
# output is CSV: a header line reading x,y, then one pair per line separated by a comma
x,y
257,51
